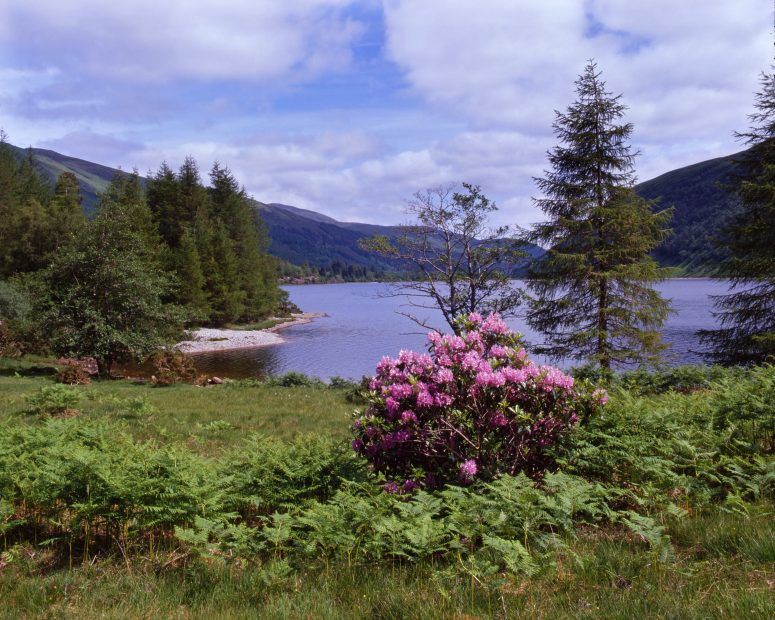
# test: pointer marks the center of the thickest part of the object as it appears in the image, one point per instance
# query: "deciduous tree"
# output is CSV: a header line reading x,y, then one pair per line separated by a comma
x,y
461,265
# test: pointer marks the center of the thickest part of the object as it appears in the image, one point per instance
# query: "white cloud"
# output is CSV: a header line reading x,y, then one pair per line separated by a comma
x,y
148,40
687,69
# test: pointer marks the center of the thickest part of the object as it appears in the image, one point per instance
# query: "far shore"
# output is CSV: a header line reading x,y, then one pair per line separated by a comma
x,y
208,340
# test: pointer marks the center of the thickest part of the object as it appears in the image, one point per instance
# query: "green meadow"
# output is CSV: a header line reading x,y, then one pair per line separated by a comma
x,y
243,500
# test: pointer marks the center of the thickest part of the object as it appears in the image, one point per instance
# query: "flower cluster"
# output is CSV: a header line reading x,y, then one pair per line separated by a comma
x,y
471,408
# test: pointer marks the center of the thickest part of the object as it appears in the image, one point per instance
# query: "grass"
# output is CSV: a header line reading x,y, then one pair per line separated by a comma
x,y
721,563
206,419
712,575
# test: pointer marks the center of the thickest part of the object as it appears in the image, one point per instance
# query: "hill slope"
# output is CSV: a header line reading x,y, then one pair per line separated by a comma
x,y
701,208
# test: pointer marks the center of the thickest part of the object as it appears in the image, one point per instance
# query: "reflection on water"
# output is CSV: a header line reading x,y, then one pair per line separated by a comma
x,y
361,327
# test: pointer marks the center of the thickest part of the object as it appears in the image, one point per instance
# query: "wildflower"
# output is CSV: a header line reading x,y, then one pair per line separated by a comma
x,y
468,469
392,488
409,417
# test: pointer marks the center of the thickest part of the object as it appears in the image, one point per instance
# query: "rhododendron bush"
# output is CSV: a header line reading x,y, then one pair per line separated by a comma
x,y
471,408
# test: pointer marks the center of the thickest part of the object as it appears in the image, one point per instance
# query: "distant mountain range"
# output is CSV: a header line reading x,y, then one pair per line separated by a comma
x,y
301,236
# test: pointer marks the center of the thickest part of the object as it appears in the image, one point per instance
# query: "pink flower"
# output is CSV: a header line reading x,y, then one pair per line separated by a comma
x,y
400,390
468,469
425,399
409,417
494,325
472,361
499,420
499,352
600,395
444,375
391,404
488,378
475,318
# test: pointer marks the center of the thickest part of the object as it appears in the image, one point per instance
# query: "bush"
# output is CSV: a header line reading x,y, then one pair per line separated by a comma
x,y
73,374
294,379
171,367
473,408
54,400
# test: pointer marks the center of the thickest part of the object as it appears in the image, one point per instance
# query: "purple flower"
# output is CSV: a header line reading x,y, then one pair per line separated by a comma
x,y
468,469
499,420
409,485
392,488
409,417
357,445
391,404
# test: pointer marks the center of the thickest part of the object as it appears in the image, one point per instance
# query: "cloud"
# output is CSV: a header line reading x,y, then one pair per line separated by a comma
x,y
687,70
350,107
148,41
100,148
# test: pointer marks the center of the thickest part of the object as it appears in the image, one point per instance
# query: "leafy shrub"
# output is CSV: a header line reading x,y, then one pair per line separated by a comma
x,y
354,391
749,407
171,367
53,400
294,379
474,407
267,475
685,379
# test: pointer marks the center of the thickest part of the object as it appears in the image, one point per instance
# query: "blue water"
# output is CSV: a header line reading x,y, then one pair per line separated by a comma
x,y
361,326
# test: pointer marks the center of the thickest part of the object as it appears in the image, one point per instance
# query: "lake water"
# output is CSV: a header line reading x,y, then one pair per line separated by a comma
x,y
361,327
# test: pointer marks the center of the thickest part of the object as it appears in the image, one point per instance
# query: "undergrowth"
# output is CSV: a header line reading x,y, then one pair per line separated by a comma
x,y
655,484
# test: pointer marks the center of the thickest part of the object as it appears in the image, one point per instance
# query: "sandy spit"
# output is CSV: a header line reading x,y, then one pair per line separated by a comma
x,y
206,340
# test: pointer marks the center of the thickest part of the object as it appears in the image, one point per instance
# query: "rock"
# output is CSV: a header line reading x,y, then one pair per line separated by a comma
x,y
216,380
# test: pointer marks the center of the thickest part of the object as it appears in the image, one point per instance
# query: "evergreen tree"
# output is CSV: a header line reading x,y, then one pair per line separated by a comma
x,y
592,291
257,273
747,313
64,210
25,239
126,194
188,267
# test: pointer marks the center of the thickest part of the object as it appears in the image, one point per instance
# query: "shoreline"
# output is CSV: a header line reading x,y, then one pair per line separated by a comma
x,y
212,340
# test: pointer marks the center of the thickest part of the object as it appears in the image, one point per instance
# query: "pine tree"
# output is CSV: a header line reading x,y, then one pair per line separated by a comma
x,y
257,274
592,291
64,210
747,313
188,267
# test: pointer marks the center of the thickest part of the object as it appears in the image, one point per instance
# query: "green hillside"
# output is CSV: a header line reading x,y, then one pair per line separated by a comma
x,y
701,208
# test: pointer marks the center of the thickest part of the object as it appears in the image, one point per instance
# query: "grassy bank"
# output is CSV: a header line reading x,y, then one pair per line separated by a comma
x,y
163,502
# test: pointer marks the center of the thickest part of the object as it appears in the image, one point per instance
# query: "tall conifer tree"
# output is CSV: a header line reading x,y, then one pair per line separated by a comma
x,y
593,295
747,313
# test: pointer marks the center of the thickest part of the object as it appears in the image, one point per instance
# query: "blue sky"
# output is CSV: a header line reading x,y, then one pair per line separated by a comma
x,y
348,108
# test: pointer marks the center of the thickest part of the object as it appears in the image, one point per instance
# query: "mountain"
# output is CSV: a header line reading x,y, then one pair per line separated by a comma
x,y
299,236
92,178
701,208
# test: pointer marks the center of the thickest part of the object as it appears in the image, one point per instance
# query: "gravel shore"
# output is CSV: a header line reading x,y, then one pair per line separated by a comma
x,y
205,339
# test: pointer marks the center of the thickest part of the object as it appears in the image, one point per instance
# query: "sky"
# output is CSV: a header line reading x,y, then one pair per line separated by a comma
x,y
350,107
